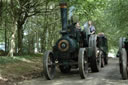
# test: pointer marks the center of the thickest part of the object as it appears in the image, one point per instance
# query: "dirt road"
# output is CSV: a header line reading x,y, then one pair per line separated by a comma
x,y
107,76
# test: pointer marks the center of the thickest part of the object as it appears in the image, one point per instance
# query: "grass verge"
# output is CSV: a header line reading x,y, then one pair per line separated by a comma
x,y
19,68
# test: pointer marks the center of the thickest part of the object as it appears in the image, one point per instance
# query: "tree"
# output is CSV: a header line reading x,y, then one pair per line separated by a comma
x,y
25,9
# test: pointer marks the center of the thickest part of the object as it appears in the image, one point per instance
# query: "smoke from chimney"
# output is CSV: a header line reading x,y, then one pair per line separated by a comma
x,y
71,11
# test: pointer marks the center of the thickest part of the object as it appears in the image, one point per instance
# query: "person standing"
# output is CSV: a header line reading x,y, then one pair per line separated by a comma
x,y
91,27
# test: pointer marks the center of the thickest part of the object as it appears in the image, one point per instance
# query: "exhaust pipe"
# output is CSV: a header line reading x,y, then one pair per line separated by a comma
x,y
63,8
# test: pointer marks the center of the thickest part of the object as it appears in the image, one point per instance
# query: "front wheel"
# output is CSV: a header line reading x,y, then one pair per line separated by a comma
x,y
83,63
49,65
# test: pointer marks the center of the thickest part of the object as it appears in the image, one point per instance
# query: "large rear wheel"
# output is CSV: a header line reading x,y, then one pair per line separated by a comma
x,y
124,63
121,42
95,58
49,65
83,63
121,45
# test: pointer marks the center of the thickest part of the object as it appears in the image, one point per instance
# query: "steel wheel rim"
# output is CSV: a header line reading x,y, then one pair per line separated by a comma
x,y
51,66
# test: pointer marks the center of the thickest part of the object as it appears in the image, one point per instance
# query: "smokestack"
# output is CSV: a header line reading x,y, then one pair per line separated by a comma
x,y
63,8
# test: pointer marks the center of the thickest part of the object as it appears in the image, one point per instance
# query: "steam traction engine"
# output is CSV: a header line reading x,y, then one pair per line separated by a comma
x,y
103,46
74,49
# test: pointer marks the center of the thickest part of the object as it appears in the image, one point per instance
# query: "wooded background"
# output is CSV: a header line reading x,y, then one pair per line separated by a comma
x,y
32,26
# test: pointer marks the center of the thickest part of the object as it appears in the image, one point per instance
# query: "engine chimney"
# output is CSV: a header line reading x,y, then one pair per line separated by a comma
x,y
63,8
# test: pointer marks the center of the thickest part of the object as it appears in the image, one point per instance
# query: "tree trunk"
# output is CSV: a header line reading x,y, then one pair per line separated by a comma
x,y
1,6
6,40
37,42
20,37
43,37
12,41
31,44
5,36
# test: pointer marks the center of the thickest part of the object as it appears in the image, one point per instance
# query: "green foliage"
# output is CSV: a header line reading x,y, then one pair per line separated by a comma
x,y
109,16
116,20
